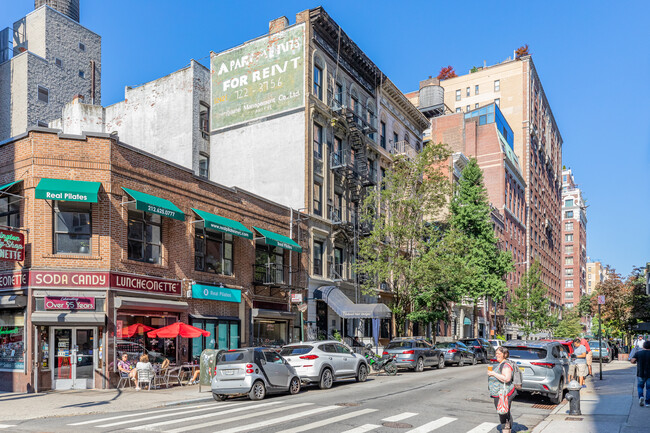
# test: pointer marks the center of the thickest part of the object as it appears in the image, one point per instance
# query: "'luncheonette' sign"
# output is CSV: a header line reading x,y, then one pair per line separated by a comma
x,y
139,283
12,246
69,303
259,78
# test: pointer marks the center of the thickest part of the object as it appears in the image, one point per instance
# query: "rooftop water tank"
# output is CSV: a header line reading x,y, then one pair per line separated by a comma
x,y
431,96
69,8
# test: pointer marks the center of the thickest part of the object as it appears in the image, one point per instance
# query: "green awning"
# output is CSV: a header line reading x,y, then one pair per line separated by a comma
x,y
10,184
67,190
223,224
279,240
152,204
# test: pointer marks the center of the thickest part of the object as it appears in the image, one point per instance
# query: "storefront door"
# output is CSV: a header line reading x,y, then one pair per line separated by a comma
x,y
73,353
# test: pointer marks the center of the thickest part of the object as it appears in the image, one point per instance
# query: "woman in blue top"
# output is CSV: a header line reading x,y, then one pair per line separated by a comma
x,y
500,380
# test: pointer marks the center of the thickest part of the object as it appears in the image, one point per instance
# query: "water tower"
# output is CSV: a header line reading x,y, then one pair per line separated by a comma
x,y
69,8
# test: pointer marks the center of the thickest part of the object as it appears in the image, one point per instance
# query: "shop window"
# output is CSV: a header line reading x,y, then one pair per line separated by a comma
x,y
213,251
12,329
269,264
144,236
318,258
224,335
72,227
10,211
133,340
267,332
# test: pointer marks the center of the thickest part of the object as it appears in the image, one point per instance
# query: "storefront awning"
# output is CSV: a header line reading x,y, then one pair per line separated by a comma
x,y
346,309
13,301
264,313
278,240
9,185
223,224
129,303
68,190
71,318
152,204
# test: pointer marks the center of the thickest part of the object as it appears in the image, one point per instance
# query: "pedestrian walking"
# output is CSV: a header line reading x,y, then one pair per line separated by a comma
x,y
502,388
642,360
590,355
580,354
639,342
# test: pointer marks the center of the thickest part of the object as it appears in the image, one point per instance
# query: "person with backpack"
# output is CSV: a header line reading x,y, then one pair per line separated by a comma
x,y
502,387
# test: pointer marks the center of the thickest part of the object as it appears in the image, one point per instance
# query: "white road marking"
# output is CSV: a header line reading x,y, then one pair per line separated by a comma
x,y
363,429
141,413
399,417
231,419
279,420
433,425
483,428
6,425
325,422
197,417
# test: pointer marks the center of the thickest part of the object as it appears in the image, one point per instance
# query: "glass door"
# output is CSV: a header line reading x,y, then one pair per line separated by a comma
x,y
84,365
62,365
73,358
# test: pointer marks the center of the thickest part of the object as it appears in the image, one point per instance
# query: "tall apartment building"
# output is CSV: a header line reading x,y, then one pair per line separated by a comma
x,y
574,241
516,88
596,274
46,59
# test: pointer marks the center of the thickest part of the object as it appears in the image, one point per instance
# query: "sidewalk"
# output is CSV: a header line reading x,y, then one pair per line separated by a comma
x,y
66,403
610,405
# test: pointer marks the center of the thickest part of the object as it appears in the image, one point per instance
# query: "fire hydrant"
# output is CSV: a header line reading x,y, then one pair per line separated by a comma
x,y
574,397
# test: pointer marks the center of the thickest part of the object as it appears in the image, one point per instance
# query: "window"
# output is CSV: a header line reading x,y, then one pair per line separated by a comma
x,y
82,74
10,211
213,251
318,82
382,170
339,94
564,178
204,165
318,199
318,141
382,134
497,102
72,228
497,85
568,226
568,249
568,237
338,207
568,260
568,271
467,109
568,284
204,120
42,124
458,110
467,93
58,62
476,105
568,295
458,95
569,305
395,138
589,274
12,346
568,214
224,334
43,94
269,264
568,203
318,258
338,263
144,236
476,89
82,47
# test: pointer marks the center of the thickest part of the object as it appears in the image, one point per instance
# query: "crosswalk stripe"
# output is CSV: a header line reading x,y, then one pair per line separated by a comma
x,y
363,429
279,420
433,425
325,422
483,428
208,415
399,417
7,425
93,421
231,419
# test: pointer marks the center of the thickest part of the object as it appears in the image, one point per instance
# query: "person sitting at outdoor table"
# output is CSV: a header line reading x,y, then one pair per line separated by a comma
x,y
143,364
125,367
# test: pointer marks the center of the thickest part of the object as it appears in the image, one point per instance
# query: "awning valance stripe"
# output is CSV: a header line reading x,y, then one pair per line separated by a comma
x,y
67,190
277,240
223,224
152,204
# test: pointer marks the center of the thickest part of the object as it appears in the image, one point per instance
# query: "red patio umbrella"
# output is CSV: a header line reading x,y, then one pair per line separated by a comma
x,y
136,328
176,329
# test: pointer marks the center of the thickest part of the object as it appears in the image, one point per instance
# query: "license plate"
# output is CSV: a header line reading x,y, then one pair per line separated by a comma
x,y
522,369
229,372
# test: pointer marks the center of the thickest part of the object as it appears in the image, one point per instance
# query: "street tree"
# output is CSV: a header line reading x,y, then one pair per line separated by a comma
x,y
569,326
616,312
584,306
470,215
529,307
399,213
639,300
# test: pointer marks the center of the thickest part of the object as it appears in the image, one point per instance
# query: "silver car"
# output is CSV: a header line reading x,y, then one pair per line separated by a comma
x,y
324,362
414,353
254,371
544,366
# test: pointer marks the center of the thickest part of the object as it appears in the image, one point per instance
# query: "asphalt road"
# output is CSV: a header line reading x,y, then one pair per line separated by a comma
x,y
453,400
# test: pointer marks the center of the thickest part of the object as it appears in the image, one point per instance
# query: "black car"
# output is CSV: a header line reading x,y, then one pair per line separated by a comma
x,y
482,348
457,353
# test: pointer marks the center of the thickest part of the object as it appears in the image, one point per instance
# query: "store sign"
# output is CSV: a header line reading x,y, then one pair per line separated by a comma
x,y
69,303
215,293
56,279
260,78
296,298
12,246
14,280
159,286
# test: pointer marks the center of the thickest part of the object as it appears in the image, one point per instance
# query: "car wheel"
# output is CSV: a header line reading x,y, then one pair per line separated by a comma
x,y
557,397
362,373
461,362
294,386
219,397
326,379
419,366
441,362
258,391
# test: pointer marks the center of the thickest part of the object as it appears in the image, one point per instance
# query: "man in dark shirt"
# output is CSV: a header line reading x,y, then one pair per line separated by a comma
x,y
642,360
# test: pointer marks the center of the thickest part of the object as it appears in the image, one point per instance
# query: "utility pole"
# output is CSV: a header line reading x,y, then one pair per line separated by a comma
x,y
601,300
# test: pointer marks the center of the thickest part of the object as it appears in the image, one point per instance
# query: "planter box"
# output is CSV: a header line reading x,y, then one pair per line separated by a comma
x,y
623,357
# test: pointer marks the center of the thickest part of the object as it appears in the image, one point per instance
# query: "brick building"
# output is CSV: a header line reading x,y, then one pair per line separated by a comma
x,y
116,240
574,241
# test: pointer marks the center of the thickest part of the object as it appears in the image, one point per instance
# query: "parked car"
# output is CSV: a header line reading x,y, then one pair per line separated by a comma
x,y
496,343
544,366
568,345
254,371
597,351
482,348
456,352
324,362
414,353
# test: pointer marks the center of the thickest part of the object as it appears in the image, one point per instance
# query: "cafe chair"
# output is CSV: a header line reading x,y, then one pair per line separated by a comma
x,y
124,378
146,376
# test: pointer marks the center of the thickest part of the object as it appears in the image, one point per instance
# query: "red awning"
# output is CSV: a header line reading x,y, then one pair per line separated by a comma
x,y
176,329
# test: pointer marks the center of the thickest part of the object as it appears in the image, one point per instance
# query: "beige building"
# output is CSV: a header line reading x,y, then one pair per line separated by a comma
x,y
596,274
574,241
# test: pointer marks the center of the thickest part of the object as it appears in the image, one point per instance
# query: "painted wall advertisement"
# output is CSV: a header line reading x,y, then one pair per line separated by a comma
x,y
260,78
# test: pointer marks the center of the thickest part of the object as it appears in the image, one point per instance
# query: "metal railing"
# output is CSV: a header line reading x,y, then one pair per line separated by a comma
x,y
269,273
403,148
365,118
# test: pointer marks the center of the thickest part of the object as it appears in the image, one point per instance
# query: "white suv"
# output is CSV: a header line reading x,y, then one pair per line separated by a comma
x,y
323,362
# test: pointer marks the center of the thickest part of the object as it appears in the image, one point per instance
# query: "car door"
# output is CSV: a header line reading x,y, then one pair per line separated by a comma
x,y
348,360
564,359
276,370
332,357
427,352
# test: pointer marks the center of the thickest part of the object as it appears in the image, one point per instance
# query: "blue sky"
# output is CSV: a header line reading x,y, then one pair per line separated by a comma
x,y
592,57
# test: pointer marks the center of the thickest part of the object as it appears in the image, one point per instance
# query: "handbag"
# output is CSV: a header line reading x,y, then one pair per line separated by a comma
x,y
502,406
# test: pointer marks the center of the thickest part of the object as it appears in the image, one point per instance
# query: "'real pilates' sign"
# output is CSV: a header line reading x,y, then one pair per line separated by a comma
x,y
12,246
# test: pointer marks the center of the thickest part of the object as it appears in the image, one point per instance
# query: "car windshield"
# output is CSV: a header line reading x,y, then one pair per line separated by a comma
x,y
231,357
527,352
445,345
399,345
595,344
295,350
494,342
471,342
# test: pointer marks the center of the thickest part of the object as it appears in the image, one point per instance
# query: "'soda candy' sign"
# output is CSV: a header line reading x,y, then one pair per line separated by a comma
x,y
12,246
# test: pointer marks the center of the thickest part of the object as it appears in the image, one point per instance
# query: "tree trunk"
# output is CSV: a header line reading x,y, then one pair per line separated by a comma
x,y
475,312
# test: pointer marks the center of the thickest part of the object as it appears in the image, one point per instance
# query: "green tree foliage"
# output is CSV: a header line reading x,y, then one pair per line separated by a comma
x,y
413,192
639,300
616,312
470,215
584,306
529,307
569,326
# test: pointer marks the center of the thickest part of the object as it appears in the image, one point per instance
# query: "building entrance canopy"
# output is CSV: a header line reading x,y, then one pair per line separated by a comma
x,y
8,185
278,240
152,204
347,309
67,190
223,224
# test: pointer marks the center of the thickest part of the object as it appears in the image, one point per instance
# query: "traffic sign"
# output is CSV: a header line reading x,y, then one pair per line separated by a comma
x,y
601,299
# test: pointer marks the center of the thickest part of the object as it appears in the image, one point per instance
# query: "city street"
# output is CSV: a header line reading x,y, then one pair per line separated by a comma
x,y
452,400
